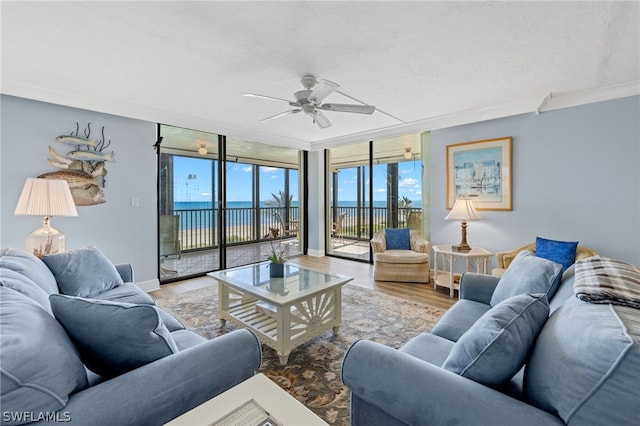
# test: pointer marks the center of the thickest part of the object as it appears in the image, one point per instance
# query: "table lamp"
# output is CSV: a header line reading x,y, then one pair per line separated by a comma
x,y
45,197
463,210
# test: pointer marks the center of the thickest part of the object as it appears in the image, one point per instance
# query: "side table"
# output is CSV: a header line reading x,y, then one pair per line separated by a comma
x,y
267,401
445,277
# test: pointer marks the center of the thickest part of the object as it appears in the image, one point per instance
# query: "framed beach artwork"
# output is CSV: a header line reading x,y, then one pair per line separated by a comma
x,y
481,171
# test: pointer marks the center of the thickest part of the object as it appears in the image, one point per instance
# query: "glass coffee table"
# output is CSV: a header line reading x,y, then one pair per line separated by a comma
x,y
283,312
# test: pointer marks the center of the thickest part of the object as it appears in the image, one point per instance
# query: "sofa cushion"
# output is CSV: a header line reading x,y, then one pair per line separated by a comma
x,y
584,364
528,274
30,266
459,318
113,337
604,280
397,239
83,272
128,293
562,252
429,347
24,285
401,256
565,289
186,338
497,345
39,366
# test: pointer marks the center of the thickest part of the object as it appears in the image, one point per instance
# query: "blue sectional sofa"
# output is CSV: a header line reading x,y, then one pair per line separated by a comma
x,y
104,354
517,350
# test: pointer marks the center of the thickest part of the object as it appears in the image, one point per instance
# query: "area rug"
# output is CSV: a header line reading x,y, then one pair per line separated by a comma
x,y
312,374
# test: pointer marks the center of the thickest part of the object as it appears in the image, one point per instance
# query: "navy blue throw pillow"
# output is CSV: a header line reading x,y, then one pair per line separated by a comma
x,y
562,252
398,239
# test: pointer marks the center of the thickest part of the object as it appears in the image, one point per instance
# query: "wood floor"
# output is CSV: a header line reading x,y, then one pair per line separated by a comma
x,y
362,274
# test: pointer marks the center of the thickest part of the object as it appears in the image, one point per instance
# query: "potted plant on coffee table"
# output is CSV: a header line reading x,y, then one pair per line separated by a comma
x,y
276,256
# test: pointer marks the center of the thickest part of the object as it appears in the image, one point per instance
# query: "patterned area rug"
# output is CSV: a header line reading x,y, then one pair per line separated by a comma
x,y
312,374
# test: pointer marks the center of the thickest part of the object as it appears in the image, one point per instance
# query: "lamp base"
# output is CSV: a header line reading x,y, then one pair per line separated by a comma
x,y
45,240
462,247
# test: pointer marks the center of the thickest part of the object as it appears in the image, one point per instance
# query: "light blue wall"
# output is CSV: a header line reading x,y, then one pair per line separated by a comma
x,y
576,176
123,233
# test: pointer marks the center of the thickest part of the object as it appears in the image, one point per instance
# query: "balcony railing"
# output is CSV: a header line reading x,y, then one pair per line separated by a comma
x,y
243,225
251,224
356,221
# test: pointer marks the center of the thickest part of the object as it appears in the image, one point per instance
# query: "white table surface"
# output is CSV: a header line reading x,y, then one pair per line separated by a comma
x,y
282,407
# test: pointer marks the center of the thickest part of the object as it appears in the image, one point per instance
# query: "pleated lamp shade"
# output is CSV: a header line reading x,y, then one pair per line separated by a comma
x,y
46,198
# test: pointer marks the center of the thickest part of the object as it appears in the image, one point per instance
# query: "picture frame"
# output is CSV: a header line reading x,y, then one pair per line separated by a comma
x,y
480,170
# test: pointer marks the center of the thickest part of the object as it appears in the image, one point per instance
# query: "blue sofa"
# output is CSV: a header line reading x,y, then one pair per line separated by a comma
x,y
580,368
152,368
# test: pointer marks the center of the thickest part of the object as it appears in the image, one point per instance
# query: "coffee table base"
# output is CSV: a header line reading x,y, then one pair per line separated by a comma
x,y
285,327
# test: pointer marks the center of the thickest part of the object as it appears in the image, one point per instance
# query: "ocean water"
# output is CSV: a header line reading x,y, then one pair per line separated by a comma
x,y
188,205
201,214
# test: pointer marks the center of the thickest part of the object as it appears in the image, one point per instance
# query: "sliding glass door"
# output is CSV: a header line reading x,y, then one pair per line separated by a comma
x,y
188,228
349,202
215,211
262,193
372,186
397,181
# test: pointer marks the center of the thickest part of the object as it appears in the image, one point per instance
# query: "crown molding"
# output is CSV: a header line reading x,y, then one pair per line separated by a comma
x,y
570,99
546,102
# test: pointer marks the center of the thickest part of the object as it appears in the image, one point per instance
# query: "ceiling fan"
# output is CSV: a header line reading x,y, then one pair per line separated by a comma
x,y
309,101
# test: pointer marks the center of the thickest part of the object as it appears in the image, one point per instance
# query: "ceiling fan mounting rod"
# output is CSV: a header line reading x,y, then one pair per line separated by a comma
x,y
308,81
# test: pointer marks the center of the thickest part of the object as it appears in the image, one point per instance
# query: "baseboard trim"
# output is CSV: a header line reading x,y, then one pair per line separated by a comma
x,y
149,286
315,253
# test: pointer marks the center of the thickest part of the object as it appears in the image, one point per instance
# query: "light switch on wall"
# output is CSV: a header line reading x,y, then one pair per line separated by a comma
x,y
135,202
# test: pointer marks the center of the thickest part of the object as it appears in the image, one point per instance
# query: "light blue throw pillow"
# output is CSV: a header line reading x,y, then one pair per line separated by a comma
x,y
30,266
397,239
498,344
562,252
113,337
39,365
528,274
83,272
24,285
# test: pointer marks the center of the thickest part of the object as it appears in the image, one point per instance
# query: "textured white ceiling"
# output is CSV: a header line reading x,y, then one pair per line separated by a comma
x,y
428,63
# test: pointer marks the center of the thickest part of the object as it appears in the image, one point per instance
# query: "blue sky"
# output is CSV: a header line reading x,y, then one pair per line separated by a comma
x,y
409,177
192,181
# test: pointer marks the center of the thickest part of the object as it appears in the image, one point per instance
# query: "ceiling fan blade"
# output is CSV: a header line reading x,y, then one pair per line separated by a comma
x,y
291,111
253,95
320,119
360,109
323,89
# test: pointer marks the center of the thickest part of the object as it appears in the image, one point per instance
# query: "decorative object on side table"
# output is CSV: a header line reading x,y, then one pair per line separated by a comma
x,y
463,210
45,197
276,256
